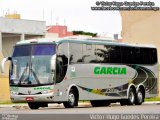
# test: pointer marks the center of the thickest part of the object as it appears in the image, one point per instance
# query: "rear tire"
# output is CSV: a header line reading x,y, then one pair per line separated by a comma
x,y
139,97
131,97
33,105
72,100
99,103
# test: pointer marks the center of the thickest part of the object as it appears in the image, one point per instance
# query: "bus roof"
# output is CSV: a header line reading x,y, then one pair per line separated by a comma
x,y
82,40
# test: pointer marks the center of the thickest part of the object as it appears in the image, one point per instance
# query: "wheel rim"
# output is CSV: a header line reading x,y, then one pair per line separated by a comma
x,y
131,97
71,98
140,96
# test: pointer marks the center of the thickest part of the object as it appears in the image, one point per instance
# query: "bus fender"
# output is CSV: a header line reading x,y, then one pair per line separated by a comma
x,y
69,88
139,87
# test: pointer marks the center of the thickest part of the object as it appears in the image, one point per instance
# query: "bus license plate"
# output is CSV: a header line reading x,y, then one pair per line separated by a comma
x,y
29,99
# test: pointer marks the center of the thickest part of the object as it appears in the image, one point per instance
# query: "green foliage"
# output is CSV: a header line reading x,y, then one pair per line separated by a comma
x,y
84,33
152,99
9,102
6,102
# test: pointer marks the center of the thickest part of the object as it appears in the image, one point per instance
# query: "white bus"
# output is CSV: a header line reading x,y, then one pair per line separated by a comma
x,y
65,71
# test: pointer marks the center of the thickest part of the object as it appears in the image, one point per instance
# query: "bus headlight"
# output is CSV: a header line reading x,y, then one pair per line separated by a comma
x,y
44,92
14,93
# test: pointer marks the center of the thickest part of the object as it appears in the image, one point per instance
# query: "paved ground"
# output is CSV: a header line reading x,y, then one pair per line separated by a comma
x,y
149,111
146,108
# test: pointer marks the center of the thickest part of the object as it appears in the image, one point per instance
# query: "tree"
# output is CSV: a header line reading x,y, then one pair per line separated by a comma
x,y
84,33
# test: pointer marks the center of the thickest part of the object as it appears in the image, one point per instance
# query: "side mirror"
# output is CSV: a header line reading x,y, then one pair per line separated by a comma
x,y
3,63
53,63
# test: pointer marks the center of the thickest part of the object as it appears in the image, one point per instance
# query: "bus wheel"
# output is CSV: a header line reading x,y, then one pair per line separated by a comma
x,y
100,103
33,105
131,97
71,100
139,97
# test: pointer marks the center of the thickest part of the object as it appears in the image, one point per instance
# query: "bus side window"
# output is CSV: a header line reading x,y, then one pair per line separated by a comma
x,y
127,55
115,54
61,62
138,55
102,54
75,53
154,56
89,53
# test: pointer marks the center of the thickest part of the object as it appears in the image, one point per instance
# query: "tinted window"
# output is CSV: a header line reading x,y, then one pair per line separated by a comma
x,y
102,53
115,54
43,50
61,62
127,55
26,50
108,54
88,53
22,51
154,56
63,52
137,55
75,53
149,55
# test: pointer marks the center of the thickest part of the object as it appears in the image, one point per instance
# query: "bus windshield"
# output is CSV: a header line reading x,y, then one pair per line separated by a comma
x,y
31,64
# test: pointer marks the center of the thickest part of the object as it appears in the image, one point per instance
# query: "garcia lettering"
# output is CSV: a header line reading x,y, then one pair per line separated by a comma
x,y
109,70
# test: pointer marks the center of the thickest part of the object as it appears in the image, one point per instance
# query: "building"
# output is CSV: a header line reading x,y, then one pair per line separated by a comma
x,y
141,27
60,30
13,30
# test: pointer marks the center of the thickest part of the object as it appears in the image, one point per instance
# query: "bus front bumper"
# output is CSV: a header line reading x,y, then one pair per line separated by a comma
x,y
33,98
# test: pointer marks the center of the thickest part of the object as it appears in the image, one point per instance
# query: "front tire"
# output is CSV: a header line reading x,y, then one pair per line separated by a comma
x,y
139,97
33,105
72,100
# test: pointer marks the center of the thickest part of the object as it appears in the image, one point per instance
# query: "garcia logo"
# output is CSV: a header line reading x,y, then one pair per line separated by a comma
x,y
109,70
42,88
14,88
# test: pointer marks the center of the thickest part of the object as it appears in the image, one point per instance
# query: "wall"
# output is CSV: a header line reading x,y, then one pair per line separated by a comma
x,y
51,35
60,30
22,26
8,44
4,83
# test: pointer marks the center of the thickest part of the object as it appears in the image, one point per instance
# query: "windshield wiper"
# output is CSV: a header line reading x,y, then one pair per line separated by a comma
x,y
34,74
31,71
22,76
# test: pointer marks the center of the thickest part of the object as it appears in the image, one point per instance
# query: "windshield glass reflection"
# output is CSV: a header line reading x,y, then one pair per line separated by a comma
x,y
31,65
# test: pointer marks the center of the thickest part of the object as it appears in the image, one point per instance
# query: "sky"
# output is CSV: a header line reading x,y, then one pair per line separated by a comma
x,y
76,14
